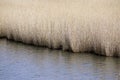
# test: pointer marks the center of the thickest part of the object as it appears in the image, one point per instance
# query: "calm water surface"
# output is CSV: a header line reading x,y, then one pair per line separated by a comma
x,y
25,62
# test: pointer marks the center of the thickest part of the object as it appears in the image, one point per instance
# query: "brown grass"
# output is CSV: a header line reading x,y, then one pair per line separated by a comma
x,y
77,25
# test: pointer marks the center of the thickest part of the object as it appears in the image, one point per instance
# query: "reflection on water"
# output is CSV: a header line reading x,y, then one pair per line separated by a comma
x,y
24,62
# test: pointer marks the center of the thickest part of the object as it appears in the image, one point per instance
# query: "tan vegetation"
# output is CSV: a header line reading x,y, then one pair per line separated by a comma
x,y
76,25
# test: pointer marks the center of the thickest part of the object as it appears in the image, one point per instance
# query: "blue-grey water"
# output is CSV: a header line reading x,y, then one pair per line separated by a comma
x,y
25,62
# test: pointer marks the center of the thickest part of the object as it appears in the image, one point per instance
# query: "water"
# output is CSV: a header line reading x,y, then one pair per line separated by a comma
x,y
26,62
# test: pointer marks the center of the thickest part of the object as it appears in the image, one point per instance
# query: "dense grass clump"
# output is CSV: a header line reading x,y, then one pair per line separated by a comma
x,y
76,25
